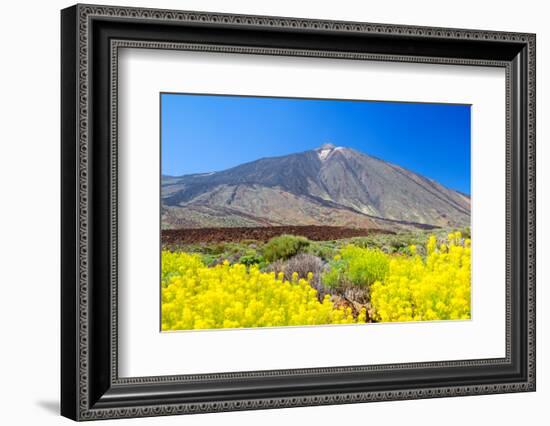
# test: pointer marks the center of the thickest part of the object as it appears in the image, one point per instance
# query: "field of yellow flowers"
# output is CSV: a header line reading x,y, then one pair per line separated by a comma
x,y
355,285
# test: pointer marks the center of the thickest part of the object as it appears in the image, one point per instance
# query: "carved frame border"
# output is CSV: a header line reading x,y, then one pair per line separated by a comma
x,y
87,12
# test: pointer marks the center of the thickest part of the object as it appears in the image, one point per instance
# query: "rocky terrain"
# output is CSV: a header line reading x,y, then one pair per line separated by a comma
x,y
327,186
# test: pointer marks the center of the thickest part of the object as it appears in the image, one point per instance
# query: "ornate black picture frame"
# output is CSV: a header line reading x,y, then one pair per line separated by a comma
x,y
91,36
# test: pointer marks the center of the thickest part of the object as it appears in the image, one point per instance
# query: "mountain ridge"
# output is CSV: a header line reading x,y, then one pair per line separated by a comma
x,y
328,185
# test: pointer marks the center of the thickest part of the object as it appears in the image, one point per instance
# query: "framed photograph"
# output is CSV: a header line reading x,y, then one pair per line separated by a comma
x,y
263,212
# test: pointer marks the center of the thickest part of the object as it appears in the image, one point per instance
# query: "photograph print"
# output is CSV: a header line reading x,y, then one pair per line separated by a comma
x,y
312,212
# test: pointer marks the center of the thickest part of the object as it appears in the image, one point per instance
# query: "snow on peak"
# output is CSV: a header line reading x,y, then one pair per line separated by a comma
x,y
325,150
323,153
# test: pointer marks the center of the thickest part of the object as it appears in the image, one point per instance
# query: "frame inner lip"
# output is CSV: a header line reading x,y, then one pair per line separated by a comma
x,y
115,45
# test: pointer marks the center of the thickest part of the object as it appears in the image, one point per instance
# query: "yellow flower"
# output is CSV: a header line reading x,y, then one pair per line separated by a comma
x,y
195,296
435,288
402,288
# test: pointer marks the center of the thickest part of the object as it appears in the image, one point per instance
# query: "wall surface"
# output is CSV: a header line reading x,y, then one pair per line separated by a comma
x,y
29,224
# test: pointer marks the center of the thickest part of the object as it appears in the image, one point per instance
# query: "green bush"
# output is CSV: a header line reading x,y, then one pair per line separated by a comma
x,y
323,250
365,266
356,266
336,275
209,259
284,247
214,249
251,258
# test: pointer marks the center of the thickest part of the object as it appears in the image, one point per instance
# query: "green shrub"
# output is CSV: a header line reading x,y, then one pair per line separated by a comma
x,y
356,266
214,249
284,247
209,259
336,275
251,257
363,242
323,250
365,266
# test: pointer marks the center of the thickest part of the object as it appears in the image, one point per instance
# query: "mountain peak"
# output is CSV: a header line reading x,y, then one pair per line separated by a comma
x,y
325,185
326,146
325,150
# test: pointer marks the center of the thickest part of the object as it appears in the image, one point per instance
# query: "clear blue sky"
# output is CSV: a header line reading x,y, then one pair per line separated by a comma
x,y
204,133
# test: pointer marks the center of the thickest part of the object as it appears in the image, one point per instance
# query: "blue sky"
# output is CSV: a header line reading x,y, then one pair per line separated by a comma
x,y
204,133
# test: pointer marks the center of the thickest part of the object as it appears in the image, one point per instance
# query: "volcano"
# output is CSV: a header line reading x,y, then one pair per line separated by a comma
x,y
328,186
